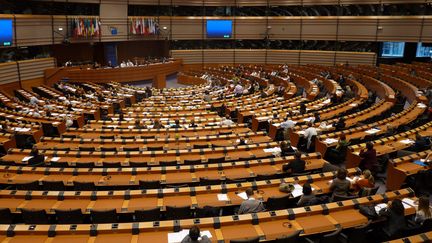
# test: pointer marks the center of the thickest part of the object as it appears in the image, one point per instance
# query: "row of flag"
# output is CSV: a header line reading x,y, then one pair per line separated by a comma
x,y
86,27
143,26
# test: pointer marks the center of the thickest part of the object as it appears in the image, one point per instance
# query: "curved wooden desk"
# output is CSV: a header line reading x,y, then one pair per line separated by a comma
x,y
155,72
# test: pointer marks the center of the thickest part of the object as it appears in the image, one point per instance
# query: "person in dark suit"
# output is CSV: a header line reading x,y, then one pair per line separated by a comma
x,y
194,236
37,158
242,141
340,124
176,124
192,124
251,205
286,148
138,125
317,117
302,108
421,143
295,166
368,157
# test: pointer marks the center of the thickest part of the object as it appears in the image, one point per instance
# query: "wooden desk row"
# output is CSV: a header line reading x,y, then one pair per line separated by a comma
x,y
151,144
266,225
130,200
163,132
400,168
404,117
388,145
420,238
166,175
150,157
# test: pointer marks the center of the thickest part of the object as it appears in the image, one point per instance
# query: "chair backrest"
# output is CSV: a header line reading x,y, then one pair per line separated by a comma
x,y
147,215
154,148
200,146
86,149
84,186
137,164
107,137
290,238
149,184
206,211
337,198
427,225
277,203
103,216
34,216
247,240
31,186
6,216
84,164
53,185
192,162
111,164
131,149
108,149
331,237
59,164
148,137
127,137
358,234
216,160
73,216
204,181
178,212
167,163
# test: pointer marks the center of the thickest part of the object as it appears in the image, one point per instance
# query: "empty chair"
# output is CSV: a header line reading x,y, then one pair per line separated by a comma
x,y
167,163
107,137
154,148
261,177
200,146
337,198
137,164
149,184
103,216
126,149
216,160
147,215
357,234
148,137
72,216
290,238
84,186
59,164
108,149
69,136
204,181
277,203
84,164
53,185
207,211
6,216
34,216
111,164
178,212
192,162
127,137
246,240
86,149
31,186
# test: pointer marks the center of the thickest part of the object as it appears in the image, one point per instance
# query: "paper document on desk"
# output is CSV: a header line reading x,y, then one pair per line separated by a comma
x,y
372,131
301,132
222,197
408,203
273,150
177,237
308,119
379,207
55,159
407,141
298,191
330,140
242,195
421,105
26,158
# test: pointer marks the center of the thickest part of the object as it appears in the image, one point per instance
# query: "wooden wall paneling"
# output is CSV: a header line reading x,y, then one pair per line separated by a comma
x,y
427,29
10,87
32,69
28,84
149,2
250,28
61,22
284,3
251,2
187,28
219,56
33,30
8,73
320,2
323,28
284,28
357,28
399,28
317,57
188,56
113,14
356,58
250,56
283,56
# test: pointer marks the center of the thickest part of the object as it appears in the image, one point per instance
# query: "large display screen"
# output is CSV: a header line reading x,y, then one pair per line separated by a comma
x,y
219,29
6,32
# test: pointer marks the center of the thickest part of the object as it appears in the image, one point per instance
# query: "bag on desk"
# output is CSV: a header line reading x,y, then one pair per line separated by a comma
x,y
368,211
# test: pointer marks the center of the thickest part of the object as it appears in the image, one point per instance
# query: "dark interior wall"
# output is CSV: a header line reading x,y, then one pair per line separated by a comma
x,y
131,49
78,52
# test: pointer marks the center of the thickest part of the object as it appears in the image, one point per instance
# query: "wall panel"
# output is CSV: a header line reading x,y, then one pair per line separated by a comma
x,y
187,28
8,72
357,28
323,28
33,30
283,28
400,29
218,56
283,56
248,28
32,69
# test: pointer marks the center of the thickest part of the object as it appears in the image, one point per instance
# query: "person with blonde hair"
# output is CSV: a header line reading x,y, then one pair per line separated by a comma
x,y
366,180
423,210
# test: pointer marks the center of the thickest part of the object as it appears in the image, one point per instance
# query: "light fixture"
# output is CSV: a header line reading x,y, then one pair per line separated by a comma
x,y
60,28
164,28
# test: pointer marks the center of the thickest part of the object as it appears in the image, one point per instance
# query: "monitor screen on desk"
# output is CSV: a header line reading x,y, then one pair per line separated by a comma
x,y
6,32
221,29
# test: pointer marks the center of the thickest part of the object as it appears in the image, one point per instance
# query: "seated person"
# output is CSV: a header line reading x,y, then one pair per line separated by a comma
x,y
295,166
368,157
423,210
176,124
340,186
194,236
337,155
317,117
192,124
251,205
308,198
366,180
340,124
121,117
286,148
37,158
157,124
138,125
421,143
302,109
395,220
242,141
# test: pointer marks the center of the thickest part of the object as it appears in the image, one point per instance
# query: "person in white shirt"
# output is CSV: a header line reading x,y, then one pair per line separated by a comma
x,y
69,121
309,133
226,121
238,90
34,100
123,64
288,123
